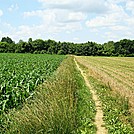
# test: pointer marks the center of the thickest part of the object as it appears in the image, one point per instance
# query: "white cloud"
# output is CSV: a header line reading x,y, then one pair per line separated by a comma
x,y
34,13
57,15
56,20
118,28
114,16
102,21
1,34
76,16
130,6
76,39
38,31
109,19
1,12
66,15
130,22
76,5
13,7
117,1
116,23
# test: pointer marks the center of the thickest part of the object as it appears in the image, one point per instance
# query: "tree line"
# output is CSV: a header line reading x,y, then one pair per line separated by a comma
x,y
123,47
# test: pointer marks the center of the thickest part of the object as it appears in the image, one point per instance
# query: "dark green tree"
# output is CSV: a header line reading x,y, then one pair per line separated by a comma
x,y
7,39
108,48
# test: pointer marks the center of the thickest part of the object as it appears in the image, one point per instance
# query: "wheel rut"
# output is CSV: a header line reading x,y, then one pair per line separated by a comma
x,y
99,113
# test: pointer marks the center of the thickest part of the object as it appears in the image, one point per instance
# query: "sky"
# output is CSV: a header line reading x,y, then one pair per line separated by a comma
x,y
67,20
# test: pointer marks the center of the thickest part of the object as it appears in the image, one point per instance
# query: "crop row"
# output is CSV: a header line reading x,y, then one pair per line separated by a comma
x,y
61,105
21,73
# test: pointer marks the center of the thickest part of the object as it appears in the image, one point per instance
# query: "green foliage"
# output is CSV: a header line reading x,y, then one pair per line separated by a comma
x,y
20,74
121,48
124,47
85,108
60,52
7,39
108,48
61,105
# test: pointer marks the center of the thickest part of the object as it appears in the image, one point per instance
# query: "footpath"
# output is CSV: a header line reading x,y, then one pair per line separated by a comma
x,y
99,113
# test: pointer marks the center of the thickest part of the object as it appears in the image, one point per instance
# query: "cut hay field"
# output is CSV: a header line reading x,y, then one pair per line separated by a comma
x,y
113,80
115,72
119,69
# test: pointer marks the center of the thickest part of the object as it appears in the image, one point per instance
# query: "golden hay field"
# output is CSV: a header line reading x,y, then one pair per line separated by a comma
x,y
115,72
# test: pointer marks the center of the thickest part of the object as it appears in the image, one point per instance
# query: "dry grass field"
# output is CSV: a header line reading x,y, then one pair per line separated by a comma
x,y
115,72
112,78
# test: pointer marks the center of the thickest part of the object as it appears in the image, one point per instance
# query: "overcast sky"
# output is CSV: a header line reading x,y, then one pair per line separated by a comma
x,y
67,20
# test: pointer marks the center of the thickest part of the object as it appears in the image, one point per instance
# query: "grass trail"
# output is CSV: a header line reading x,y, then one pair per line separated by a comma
x,y
99,113
117,107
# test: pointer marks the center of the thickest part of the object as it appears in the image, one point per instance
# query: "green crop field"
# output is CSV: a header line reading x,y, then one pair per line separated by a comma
x,y
64,103
21,73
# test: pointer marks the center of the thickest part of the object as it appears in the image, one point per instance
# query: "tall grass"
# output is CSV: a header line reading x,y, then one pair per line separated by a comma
x,y
56,107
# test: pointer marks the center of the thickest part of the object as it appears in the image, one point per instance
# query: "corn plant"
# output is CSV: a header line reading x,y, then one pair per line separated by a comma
x,y
21,73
